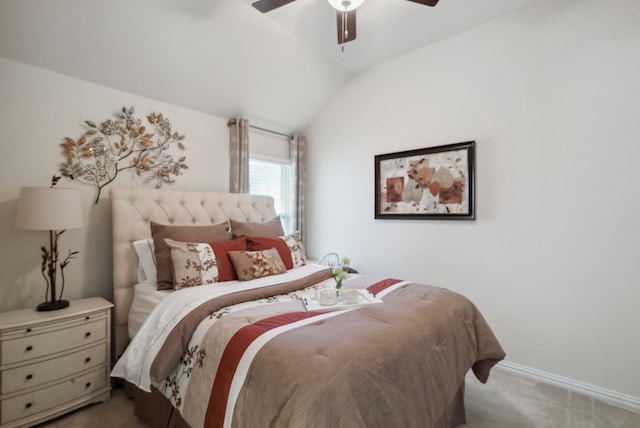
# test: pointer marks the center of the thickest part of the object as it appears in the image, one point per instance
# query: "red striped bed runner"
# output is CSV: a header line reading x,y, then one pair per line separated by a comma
x,y
231,358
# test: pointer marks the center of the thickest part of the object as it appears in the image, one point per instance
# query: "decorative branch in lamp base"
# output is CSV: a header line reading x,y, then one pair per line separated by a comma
x,y
50,259
112,146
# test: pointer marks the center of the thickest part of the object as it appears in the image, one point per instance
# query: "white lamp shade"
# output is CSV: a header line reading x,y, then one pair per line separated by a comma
x,y
48,208
345,5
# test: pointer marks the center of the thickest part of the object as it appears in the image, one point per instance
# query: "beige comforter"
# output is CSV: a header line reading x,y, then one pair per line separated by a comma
x,y
267,362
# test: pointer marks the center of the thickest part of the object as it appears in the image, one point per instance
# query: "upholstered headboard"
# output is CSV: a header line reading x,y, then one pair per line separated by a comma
x,y
133,209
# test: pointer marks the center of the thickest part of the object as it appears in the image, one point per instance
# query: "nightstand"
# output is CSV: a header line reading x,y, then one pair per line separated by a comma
x,y
53,362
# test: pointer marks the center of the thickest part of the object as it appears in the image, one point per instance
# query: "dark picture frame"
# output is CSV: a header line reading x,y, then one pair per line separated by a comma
x,y
434,183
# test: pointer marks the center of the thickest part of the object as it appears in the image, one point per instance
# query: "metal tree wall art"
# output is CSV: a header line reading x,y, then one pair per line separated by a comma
x,y
123,143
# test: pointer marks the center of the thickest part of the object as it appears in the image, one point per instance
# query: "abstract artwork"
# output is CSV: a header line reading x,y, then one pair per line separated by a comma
x,y
430,183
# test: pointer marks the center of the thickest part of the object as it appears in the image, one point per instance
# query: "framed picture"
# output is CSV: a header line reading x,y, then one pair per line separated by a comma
x,y
435,183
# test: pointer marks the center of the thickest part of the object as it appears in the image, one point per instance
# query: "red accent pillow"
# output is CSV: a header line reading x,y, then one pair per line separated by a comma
x,y
226,272
255,243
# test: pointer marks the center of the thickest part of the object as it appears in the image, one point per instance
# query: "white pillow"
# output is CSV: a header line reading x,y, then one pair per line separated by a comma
x,y
294,242
146,260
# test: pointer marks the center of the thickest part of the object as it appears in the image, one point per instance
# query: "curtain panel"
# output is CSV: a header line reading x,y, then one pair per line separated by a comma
x,y
298,155
239,155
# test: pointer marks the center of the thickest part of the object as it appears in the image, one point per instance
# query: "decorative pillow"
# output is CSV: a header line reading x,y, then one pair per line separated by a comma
x,y
258,244
202,263
294,242
269,229
146,260
160,232
257,264
193,264
226,272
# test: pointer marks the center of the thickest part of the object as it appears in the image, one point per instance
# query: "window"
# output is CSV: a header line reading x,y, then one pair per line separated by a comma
x,y
273,179
270,173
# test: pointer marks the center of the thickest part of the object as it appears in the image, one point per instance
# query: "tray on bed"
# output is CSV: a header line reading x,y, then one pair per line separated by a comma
x,y
312,304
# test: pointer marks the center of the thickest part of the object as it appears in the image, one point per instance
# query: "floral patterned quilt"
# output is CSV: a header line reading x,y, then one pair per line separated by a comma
x,y
256,357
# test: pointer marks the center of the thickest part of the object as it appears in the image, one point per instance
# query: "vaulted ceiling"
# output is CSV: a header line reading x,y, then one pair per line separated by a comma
x,y
223,57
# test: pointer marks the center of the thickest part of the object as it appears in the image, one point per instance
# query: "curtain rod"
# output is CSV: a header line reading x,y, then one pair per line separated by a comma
x,y
234,121
271,132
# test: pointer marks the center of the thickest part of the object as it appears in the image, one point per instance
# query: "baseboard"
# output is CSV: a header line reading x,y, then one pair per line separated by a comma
x,y
612,397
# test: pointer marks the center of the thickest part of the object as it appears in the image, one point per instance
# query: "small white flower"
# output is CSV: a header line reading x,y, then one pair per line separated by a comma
x,y
339,273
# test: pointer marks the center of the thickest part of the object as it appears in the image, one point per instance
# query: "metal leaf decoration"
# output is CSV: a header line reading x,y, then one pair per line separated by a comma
x,y
123,143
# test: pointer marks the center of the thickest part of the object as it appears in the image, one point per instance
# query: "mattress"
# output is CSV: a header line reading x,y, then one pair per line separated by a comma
x,y
145,298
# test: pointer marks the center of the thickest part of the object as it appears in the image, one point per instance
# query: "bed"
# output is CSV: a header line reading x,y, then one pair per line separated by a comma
x,y
246,352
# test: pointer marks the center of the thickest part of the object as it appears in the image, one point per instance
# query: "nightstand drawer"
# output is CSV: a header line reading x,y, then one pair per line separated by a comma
x,y
34,402
46,371
38,345
53,362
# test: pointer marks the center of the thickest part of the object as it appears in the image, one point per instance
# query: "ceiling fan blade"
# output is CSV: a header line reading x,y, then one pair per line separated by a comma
x,y
346,26
268,5
426,2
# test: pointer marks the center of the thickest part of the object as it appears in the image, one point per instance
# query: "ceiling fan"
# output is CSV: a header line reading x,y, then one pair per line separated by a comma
x,y
346,13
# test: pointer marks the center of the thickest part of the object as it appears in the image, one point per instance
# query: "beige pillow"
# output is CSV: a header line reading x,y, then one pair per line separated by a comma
x,y
298,255
160,232
268,229
257,264
193,264
197,263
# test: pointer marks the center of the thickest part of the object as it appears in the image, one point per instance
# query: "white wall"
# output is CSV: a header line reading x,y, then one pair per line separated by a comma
x,y
551,96
40,108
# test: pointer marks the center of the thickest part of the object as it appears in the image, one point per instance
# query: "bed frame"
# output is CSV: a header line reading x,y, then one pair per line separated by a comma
x,y
133,209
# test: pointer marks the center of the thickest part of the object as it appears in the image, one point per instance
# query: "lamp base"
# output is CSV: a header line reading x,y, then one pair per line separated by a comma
x,y
52,306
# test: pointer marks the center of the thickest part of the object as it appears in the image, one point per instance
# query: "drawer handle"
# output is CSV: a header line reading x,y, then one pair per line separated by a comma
x,y
86,360
28,405
29,330
87,334
29,348
87,385
87,317
29,376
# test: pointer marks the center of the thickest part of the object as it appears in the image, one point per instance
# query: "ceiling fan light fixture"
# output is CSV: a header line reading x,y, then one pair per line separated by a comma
x,y
345,5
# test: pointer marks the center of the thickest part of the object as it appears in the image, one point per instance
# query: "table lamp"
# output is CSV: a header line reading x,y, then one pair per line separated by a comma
x,y
53,209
